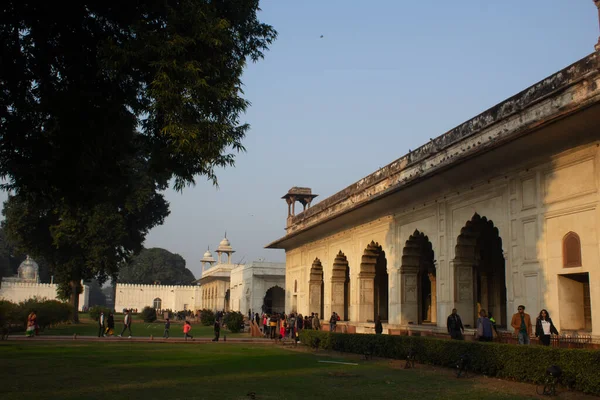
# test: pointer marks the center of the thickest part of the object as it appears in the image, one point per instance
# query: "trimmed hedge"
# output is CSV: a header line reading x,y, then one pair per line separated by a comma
x,y
520,363
234,320
207,317
13,317
149,314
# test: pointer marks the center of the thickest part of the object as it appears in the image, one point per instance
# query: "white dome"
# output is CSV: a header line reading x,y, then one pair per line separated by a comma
x,y
207,257
225,246
28,269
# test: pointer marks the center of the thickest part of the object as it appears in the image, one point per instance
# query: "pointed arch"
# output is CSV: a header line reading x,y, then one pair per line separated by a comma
x,y
316,288
480,275
340,287
418,280
373,284
571,250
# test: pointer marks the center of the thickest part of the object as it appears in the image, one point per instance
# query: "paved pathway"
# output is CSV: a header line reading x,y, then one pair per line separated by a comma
x,y
135,339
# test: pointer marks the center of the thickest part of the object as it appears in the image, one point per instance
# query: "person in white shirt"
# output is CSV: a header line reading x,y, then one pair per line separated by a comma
x,y
126,323
544,328
101,325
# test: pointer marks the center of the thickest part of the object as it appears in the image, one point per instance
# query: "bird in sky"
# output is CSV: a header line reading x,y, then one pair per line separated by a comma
x,y
321,36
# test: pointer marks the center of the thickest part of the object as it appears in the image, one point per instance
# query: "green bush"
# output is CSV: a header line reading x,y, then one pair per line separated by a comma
x,y
521,363
49,312
207,317
149,314
234,321
96,310
8,318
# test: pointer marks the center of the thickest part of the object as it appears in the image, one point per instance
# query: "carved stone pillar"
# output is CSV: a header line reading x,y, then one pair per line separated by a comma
x,y
432,279
484,290
366,306
463,280
314,287
409,295
338,280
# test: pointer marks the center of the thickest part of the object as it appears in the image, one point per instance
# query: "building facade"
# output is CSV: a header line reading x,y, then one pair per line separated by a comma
x,y
223,286
500,211
258,287
26,285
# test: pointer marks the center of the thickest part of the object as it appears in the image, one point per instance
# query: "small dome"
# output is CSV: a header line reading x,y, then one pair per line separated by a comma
x,y
207,257
225,246
28,269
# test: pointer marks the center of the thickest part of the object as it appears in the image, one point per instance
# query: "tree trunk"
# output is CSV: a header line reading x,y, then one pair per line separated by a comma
x,y
74,299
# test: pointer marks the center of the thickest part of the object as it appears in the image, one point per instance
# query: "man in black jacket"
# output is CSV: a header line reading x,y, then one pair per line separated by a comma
x,y
455,326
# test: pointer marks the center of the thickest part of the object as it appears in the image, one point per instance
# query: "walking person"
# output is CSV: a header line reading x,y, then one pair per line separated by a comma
x,y
31,324
110,325
332,322
187,327
455,326
493,321
101,325
316,322
521,323
378,326
544,328
484,327
126,323
217,329
167,327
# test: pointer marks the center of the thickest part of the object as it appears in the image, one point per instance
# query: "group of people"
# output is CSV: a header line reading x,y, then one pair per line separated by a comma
x,y
187,328
106,324
281,325
520,322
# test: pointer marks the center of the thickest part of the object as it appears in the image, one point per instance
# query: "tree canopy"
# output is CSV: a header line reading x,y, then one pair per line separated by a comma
x,y
102,105
156,265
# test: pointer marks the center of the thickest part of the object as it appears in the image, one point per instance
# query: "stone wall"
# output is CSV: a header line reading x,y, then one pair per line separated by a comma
x,y
17,292
173,297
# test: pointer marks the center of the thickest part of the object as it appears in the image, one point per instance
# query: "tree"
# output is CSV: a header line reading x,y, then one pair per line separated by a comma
x,y
156,265
97,297
102,104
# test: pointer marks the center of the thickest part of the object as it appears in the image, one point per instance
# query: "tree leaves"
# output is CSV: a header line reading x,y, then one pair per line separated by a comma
x,y
156,265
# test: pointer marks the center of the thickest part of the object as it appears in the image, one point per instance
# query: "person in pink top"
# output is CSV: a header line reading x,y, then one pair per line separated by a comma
x,y
187,327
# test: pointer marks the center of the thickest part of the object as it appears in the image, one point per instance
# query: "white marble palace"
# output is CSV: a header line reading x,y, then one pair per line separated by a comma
x,y
256,286
500,211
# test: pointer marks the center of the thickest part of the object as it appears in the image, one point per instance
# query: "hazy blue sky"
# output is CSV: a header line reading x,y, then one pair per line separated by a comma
x,y
386,77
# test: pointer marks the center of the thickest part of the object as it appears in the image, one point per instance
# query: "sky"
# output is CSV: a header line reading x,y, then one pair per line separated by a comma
x,y
386,76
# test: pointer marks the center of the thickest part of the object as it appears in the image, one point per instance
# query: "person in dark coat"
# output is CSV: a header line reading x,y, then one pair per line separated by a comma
x,y
544,328
378,326
110,325
455,326
217,329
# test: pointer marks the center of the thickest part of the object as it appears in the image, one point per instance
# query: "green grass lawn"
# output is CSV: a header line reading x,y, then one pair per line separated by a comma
x,y
139,328
101,370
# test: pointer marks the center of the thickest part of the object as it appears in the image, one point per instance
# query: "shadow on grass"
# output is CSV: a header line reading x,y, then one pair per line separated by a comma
x,y
162,371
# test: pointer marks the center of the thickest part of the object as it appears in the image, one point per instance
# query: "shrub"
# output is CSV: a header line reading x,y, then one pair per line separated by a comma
x,y
149,314
49,312
96,310
207,317
521,363
234,321
8,318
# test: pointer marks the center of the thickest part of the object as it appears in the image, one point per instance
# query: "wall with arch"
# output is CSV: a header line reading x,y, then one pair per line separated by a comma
x,y
173,297
533,205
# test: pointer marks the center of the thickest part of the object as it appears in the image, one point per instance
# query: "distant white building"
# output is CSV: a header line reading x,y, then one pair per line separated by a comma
x,y
223,286
259,287
26,285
